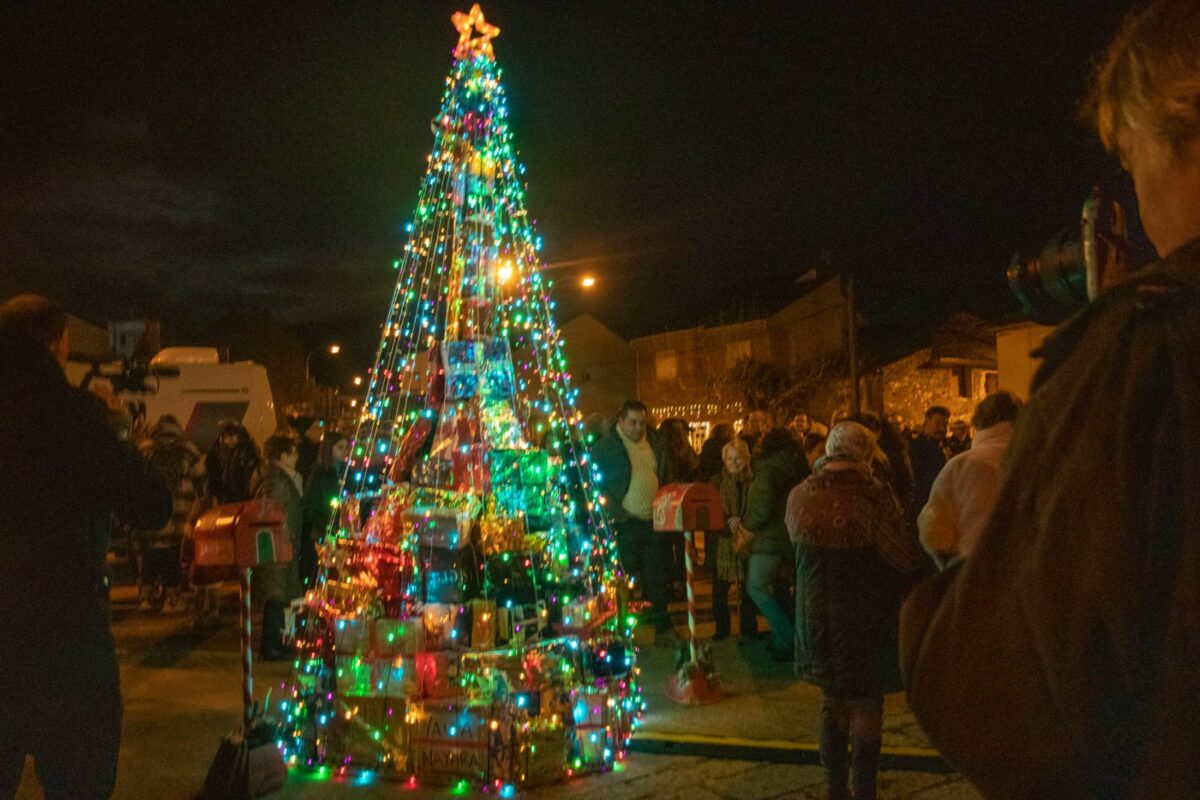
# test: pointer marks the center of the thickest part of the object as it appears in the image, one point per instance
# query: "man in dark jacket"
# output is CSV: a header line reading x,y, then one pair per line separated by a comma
x,y
632,467
928,457
1060,659
63,475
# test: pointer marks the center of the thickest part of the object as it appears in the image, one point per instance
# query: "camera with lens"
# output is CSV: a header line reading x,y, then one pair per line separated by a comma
x,y
1076,265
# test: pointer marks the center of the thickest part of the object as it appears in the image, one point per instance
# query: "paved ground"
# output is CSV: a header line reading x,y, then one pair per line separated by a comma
x,y
182,693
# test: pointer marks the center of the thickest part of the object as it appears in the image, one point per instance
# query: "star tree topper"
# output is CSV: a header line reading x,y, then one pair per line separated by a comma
x,y
464,23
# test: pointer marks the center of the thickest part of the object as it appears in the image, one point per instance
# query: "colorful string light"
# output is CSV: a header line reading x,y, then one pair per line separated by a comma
x,y
468,624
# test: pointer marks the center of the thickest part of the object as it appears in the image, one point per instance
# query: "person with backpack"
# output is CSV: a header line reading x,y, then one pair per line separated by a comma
x,y
178,463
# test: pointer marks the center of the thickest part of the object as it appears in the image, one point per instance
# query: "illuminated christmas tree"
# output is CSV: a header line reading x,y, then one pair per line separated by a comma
x,y
468,621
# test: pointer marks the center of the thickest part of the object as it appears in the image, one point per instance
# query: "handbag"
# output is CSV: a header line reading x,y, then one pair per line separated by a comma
x,y
247,764
742,539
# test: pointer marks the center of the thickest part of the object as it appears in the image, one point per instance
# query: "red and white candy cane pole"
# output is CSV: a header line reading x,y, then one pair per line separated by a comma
x,y
689,563
247,647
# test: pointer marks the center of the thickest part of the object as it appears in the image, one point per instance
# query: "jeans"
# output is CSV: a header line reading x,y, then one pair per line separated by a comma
x,y
644,555
760,572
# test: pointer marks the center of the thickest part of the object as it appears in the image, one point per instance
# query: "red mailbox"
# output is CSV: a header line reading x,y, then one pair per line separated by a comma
x,y
688,507
233,537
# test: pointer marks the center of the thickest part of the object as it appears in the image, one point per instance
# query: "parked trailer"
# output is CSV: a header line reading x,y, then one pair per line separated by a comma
x,y
194,386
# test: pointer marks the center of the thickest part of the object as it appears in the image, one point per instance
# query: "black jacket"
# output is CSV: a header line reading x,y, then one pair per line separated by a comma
x,y
64,475
1059,660
612,460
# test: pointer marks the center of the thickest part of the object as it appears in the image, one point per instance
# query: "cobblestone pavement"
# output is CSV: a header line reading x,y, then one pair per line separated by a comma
x,y
654,777
182,692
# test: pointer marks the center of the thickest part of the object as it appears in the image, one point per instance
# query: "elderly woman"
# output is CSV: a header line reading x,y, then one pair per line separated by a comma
x,y
853,562
728,567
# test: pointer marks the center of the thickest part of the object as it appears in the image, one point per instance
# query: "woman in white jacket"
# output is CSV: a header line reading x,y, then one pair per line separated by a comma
x,y
965,491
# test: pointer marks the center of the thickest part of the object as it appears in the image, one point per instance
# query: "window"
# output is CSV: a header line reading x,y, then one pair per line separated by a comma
x,y
736,351
666,366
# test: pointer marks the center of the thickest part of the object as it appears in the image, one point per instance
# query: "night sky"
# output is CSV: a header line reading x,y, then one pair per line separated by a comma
x,y
190,160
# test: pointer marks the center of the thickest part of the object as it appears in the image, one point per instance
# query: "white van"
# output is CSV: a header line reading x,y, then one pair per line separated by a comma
x,y
191,384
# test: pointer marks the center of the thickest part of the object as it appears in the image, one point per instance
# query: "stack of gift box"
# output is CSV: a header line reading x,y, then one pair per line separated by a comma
x,y
375,673
430,696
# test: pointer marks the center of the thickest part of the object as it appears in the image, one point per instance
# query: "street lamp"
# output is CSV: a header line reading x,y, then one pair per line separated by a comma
x,y
358,380
332,349
587,281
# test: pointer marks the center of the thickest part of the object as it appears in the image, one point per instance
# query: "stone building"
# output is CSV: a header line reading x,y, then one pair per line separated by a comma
x,y
601,364
801,353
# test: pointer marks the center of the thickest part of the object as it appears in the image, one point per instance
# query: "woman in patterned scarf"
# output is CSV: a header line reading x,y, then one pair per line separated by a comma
x,y
853,563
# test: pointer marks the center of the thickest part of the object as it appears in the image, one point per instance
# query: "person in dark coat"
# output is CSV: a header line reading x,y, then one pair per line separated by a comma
x,y
631,466
231,464
63,476
780,467
853,562
682,466
230,467
279,584
1060,659
320,493
711,460
928,457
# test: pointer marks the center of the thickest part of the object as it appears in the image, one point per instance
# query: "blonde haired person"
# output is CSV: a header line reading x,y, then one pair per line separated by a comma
x,y
1059,660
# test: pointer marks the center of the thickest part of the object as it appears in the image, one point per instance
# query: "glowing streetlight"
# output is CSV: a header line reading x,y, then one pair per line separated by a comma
x,y
358,380
587,281
333,350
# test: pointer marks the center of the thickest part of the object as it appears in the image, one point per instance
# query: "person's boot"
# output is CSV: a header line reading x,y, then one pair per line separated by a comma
x,y
864,762
272,648
145,598
175,602
834,757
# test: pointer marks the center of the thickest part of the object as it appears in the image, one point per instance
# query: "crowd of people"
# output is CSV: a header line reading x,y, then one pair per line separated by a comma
x,y
827,528
1049,651
235,470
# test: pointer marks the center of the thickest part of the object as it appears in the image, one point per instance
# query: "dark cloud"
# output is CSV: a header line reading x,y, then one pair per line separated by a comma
x,y
197,160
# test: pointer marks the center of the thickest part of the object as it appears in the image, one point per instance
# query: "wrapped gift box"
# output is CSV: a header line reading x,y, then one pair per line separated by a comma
x,y
378,637
443,586
463,363
595,724
498,534
526,754
584,616
470,468
369,732
483,624
521,485
554,663
393,677
448,741
433,472
438,674
441,623
438,518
